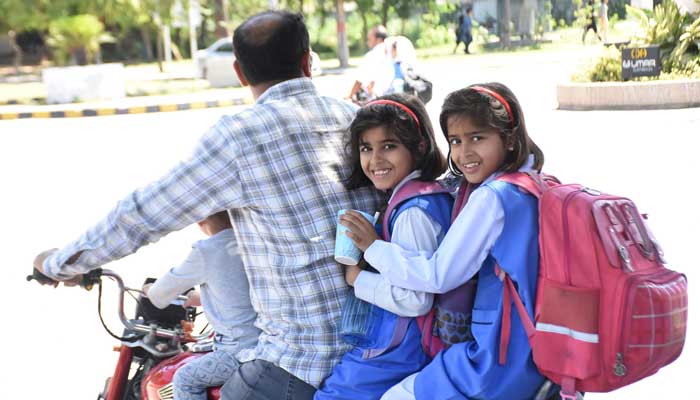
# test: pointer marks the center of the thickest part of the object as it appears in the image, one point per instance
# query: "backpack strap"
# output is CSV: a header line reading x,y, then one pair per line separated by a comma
x,y
535,184
532,182
510,295
410,189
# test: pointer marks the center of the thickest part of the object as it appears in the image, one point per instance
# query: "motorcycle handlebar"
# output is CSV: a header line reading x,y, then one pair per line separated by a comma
x,y
87,281
93,277
41,278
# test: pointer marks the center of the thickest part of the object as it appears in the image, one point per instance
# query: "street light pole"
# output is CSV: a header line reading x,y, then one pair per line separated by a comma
x,y
343,51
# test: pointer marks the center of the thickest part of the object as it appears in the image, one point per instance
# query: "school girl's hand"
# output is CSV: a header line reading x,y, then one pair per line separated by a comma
x,y
351,273
359,230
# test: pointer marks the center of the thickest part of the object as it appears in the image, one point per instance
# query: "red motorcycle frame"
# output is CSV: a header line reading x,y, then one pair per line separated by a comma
x,y
152,349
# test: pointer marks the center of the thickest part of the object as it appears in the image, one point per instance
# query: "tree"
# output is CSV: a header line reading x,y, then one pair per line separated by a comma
x,y
365,8
222,20
21,15
505,24
343,49
76,39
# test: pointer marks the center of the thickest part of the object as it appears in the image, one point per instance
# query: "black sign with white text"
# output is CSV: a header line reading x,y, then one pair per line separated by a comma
x,y
640,61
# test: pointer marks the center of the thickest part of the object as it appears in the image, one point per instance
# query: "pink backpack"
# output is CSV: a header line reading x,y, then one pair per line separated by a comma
x,y
608,312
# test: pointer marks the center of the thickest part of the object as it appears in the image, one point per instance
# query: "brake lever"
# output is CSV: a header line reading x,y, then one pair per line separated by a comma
x,y
91,279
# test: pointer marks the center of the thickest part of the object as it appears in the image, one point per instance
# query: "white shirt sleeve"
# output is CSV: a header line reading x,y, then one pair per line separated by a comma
x,y
459,257
180,278
413,230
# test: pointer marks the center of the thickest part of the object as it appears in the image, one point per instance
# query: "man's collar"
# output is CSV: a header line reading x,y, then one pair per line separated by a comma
x,y
288,88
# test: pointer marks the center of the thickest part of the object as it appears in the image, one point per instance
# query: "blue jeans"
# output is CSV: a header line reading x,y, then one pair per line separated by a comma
x,y
262,380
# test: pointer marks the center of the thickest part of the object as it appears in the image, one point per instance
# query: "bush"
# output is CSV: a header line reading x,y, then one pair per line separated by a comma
x,y
676,34
607,68
76,39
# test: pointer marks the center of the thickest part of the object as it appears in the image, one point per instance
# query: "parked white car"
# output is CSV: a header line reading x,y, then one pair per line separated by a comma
x,y
215,64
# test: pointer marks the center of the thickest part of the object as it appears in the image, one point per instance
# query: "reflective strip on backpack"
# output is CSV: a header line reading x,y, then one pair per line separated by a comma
x,y
562,330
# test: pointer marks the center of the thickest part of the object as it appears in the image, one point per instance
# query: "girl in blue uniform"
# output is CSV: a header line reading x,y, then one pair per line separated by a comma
x,y
392,147
497,224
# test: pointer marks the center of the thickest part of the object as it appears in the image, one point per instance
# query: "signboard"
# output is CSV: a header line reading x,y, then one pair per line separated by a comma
x,y
640,61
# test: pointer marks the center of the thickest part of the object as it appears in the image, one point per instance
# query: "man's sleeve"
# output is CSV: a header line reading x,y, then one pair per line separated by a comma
x,y
205,184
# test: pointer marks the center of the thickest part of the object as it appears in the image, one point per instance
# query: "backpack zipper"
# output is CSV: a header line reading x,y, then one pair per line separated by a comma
x,y
565,217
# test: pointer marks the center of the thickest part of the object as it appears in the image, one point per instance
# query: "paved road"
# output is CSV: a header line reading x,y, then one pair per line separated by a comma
x,y
60,175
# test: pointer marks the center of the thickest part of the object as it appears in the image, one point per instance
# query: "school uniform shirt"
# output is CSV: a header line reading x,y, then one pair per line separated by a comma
x,y
461,253
413,229
214,265
278,167
484,205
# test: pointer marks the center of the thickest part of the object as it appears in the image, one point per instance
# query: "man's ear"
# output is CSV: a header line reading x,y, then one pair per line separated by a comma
x,y
239,73
306,63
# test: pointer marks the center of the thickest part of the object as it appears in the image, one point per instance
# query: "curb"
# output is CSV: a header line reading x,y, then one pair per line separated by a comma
x,y
96,112
15,102
651,95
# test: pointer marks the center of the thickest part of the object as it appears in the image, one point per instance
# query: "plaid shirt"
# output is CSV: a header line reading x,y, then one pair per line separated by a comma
x,y
277,167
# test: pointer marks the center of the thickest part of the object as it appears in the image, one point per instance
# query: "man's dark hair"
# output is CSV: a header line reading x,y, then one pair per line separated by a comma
x,y
269,46
380,32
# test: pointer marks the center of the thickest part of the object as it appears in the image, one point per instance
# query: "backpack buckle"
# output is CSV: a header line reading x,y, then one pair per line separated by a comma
x,y
499,272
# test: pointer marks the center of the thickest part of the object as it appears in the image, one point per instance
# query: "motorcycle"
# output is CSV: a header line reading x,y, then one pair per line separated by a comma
x,y
154,344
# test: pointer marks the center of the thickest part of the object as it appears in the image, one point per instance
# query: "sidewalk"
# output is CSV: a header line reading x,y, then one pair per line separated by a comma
x,y
132,105
207,98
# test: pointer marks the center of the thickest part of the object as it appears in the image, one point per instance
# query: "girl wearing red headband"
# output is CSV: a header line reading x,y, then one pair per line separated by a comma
x,y
392,147
495,223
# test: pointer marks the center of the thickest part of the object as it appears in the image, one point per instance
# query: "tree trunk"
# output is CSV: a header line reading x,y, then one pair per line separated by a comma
x,y
322,22
505,24
18,51
343,51
365,28
159,48
385,12
221,17
146,39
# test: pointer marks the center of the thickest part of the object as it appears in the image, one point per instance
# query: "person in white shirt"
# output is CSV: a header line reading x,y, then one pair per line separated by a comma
x,y
214,265
376,71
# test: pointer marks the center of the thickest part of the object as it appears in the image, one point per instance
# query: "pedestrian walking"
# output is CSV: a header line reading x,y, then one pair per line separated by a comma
x,y
463,31
591,22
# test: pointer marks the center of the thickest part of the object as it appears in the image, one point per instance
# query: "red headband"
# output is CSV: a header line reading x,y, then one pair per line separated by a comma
x,y
397,104
498,97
